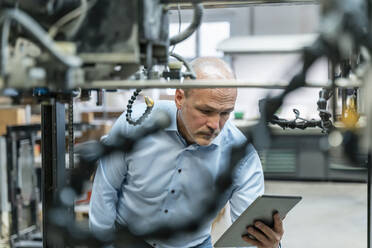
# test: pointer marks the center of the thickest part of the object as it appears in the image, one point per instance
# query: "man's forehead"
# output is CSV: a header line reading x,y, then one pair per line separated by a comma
x,y
214,98
215,92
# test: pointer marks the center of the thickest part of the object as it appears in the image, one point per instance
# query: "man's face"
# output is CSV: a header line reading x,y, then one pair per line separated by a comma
x,y
203,113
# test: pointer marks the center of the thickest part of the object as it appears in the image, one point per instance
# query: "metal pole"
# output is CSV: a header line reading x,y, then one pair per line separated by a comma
x,y
369,209
191,84
71,133
12,174
331,77
4,186
197,43
47,161
53,166
35,192
251,20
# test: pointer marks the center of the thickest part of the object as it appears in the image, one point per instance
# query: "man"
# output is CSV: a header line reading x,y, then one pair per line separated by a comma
x,y
168,175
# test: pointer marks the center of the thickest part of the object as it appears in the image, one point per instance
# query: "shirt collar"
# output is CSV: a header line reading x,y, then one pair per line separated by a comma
x,y
173,115
217,141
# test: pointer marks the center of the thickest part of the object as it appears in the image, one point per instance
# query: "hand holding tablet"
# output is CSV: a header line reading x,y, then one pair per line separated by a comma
x,y
260,211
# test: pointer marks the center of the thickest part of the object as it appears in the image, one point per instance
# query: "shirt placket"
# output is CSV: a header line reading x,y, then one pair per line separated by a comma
x,y
175,188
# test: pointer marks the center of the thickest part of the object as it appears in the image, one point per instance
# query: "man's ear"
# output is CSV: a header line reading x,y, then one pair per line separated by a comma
x,y
179,98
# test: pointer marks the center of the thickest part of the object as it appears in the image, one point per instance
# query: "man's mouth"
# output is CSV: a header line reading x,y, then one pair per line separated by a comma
x,y
209,135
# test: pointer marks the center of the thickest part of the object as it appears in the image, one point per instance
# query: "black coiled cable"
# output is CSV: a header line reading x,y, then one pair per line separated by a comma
x,y
149,104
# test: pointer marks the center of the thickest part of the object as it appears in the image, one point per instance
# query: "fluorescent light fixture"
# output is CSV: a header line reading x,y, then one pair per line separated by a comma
x,y
266,44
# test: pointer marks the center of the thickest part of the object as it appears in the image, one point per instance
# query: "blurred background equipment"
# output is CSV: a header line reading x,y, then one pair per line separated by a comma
x,y
78,59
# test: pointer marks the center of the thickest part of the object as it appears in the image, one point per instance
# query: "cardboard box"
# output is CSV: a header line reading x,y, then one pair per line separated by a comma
x,y
11,116
87,117
5,100
35,119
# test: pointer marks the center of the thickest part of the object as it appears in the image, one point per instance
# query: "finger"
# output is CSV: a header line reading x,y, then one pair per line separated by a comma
x,y
251,241
271,235
258,235
278,224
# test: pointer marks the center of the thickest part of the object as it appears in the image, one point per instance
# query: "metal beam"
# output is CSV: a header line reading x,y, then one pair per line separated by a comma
x,y
4,202
3,177
162,84
53,177
369,206
235,3
12,174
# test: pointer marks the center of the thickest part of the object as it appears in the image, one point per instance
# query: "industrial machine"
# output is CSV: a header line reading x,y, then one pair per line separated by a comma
x,y
54,50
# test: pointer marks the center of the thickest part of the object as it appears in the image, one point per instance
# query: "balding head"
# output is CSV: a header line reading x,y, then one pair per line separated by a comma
x,y
212,68
202,113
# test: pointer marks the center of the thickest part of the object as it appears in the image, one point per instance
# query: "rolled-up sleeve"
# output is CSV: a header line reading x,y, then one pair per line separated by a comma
x,y
248,183
111,173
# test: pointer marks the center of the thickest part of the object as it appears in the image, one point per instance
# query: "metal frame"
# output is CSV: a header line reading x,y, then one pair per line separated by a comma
x,y
53,175
4,206
3,178
14,135
236,3
9,169
158,84
369,206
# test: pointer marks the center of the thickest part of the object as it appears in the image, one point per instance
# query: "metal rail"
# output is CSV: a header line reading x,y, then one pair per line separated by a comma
x,y
236,3
148,84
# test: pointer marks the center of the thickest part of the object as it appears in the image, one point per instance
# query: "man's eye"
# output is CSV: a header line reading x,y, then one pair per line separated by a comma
x,y
205,111
225,113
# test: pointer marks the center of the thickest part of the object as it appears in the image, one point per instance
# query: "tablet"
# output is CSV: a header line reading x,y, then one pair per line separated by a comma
x,y
261,209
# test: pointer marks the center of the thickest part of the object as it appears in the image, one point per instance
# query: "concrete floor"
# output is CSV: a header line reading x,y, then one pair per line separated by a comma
x,y
329,215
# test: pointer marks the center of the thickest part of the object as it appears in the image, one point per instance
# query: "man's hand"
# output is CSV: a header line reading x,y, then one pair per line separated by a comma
x,y
266,237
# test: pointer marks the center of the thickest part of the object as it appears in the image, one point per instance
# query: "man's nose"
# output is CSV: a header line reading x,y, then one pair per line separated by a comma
x,y
214,122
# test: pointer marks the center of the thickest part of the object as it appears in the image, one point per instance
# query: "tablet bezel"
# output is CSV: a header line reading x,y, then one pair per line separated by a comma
x,y
261,209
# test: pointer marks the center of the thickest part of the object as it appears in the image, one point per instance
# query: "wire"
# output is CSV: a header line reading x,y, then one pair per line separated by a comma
x,y
179,24
4,47
302,124
38,33
195,24
53,30
324,123
149,104
79,13
80,20
71,142
191,72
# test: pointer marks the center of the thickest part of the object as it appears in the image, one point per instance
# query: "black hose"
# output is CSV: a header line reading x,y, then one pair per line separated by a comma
x,y
149,107
196,22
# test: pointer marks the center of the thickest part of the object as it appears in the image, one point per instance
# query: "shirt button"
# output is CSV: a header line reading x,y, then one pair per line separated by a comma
x,y
166,211
172,191
179,170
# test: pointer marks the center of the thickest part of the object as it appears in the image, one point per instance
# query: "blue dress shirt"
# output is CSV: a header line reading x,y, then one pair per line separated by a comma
x,y
165,181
